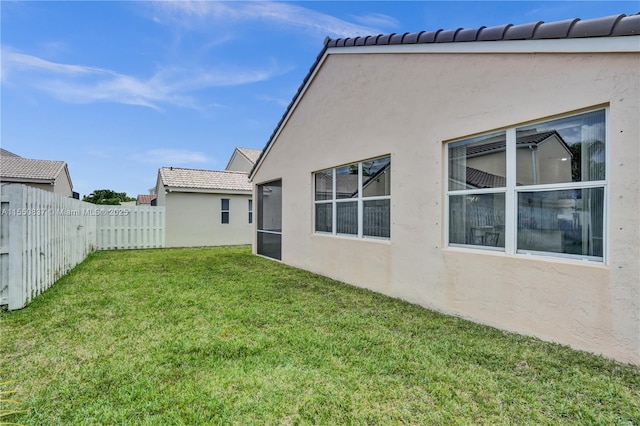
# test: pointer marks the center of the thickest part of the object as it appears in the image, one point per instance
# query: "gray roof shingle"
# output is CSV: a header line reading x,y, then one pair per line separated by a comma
x,y
177,177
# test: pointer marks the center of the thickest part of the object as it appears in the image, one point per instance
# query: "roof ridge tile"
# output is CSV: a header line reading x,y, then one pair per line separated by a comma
x,y
522,31
493,33
627,25
447,36
595,27
557,29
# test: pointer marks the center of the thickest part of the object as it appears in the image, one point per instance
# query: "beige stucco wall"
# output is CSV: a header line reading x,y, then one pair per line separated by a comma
x,y
360,106
239,163
194,219
62,185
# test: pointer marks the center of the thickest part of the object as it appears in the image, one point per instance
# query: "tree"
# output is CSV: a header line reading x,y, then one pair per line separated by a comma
x,y
107,196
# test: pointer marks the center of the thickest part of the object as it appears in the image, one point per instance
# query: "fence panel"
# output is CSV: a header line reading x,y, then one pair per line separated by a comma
x,y
130,227
44,235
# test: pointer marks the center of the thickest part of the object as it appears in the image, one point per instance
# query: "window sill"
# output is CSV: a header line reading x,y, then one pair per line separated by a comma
x,y
352,237
528,256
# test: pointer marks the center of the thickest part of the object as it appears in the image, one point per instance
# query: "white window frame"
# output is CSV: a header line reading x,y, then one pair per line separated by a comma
x,y
223,211
360,199
511,192
250,210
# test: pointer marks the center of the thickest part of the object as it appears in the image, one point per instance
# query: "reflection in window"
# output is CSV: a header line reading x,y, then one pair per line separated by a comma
x,y
477,219
478,163
569,149
566,216
354,199
324,185
347,218
347,181
565,221
376,218
376,177
324,217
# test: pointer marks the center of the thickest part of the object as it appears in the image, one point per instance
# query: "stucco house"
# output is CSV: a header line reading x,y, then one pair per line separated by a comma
x,y
145,199
515,193
205,207
243,159
52,176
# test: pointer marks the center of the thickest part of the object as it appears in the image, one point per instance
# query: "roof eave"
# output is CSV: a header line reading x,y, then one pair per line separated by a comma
x,y
294,102
207,190
547,42
13,179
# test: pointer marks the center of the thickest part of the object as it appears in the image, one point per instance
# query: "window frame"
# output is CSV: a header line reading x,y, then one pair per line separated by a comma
x,y
511,193
225,213
250,210
360,200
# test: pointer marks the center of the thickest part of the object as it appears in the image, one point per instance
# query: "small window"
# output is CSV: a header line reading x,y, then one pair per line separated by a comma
x,y
225,210
250,207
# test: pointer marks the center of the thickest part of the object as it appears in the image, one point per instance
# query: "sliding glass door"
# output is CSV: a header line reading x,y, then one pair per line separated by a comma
x,y
270,219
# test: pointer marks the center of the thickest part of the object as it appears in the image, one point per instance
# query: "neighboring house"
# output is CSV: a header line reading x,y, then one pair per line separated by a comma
x,y
52,176
145,199
205,207
5,153
243,159
515,193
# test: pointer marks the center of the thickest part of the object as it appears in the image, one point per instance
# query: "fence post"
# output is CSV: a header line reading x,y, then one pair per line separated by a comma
x,y
17,296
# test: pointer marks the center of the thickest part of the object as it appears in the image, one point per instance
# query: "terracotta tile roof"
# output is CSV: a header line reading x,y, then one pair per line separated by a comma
x,y
22,168
608,26
498,143
251,154
481,179
145,199
176,177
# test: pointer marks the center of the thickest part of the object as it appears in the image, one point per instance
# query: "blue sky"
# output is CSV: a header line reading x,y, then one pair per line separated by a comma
x,y
120,89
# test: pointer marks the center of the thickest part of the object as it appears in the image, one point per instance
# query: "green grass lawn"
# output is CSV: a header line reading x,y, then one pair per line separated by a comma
x,y
218,336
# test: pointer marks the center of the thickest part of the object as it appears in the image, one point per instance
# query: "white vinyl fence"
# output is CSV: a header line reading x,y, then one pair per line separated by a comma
x,y
130,227
44,235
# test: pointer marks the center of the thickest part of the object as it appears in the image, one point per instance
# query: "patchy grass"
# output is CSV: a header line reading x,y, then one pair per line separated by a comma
x,y
218,336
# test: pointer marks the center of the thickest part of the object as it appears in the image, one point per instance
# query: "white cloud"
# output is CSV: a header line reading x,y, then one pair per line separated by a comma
x,y
377,20
86,84
194,14
171,156
283,102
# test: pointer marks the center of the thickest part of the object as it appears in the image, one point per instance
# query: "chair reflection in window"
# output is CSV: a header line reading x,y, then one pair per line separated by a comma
x,y
482,237
491,239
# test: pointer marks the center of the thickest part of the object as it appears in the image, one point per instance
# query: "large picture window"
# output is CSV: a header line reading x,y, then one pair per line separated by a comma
x,y
537,189
355,199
